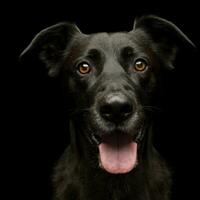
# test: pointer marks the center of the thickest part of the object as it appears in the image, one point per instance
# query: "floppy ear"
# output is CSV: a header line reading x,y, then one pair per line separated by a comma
x,y
167,37
49,45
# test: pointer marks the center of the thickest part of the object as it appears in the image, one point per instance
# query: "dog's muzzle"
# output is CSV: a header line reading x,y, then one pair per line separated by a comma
x,y
117,148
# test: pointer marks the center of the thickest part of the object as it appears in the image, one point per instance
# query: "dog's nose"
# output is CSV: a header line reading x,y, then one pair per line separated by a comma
x,y
116,109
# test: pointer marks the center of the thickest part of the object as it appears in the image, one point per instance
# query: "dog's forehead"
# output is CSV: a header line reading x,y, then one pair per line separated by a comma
x,y
107,44
110,41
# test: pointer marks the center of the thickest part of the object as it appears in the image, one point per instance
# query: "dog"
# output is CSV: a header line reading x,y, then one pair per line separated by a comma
x,y
110,80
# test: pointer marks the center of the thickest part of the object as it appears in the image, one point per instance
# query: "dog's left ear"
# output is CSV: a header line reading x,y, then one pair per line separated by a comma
x,y
49,45
167,37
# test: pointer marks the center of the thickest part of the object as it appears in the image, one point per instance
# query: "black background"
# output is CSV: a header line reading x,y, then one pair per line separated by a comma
x,y
36,129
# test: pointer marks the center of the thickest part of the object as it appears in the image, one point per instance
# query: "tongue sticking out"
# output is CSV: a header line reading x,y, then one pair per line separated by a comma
x,y
118,153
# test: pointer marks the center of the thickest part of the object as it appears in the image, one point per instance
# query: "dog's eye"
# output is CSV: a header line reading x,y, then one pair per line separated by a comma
x,y
140,65
84,68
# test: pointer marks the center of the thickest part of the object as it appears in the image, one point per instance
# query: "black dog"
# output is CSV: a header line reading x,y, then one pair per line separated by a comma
x,y
110,81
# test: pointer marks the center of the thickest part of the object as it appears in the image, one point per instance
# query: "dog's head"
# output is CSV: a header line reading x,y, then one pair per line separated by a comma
x,y
111,80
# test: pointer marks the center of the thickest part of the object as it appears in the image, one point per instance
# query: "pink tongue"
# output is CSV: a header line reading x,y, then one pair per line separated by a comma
x,y
118,153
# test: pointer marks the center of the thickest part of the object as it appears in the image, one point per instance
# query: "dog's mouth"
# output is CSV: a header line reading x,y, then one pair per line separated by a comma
x,y
118,145
118,153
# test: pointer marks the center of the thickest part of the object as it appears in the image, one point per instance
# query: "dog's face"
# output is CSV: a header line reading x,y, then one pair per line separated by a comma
x,y
110,80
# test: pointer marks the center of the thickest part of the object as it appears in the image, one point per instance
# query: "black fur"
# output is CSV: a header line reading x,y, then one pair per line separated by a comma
x,y
62,48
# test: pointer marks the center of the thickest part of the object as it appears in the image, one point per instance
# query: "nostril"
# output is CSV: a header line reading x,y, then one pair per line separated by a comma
x,y
106,110
126,109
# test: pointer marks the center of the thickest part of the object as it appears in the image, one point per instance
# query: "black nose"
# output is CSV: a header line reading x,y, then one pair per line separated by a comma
x,y
116,109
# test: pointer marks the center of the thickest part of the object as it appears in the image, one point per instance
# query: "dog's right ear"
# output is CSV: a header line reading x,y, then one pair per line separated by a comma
x,y
166,37
49,45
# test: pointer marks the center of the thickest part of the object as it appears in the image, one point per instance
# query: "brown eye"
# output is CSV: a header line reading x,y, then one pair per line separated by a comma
x,y
140,65
84,68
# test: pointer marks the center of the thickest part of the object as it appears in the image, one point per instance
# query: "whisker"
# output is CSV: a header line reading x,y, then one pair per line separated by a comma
x,y
152,108
73,112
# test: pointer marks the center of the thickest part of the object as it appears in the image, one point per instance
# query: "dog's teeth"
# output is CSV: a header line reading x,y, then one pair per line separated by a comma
x,y
95,139
139,136
136,164
100,165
